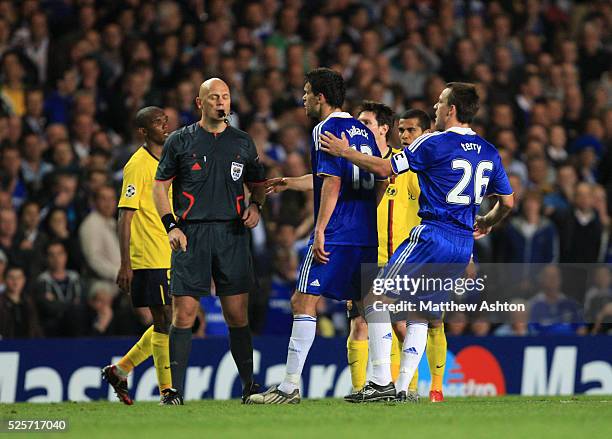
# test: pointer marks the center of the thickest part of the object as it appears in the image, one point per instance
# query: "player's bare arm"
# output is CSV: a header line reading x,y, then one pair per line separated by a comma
x,y
251,215
125,274
381,187
177,238
484,224
281,184
339,147
329,197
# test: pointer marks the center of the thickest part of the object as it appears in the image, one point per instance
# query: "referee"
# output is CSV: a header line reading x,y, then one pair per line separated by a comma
x,y
207,164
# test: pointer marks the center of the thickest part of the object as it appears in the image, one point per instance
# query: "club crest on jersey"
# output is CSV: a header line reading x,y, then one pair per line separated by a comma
x,y
391,191
236,170
354,131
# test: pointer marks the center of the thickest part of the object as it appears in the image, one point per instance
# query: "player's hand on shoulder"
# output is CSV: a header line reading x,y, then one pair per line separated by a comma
x,y
178,240
250,218
124,278
481,228
276,185
334,145
318,249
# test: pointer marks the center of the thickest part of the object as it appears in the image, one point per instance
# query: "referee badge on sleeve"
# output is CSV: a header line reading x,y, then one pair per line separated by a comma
x,y
236,170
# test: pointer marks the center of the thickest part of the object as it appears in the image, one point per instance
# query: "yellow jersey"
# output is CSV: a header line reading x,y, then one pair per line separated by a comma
x,y
397,212
149,245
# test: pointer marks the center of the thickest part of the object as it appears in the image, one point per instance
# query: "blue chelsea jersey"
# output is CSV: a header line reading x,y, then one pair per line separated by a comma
x,y
456,169
353,221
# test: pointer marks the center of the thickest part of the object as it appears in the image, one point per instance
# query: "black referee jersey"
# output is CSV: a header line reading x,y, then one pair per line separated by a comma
x,y
209,171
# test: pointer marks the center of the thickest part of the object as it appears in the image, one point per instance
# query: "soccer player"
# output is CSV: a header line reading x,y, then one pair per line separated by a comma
x,y
456,169
145,256
397,215
345,231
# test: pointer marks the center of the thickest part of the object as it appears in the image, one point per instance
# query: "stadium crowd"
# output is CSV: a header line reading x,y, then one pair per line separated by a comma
x,y
73,74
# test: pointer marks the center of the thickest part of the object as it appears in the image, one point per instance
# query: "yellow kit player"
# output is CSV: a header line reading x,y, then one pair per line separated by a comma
x,y
145,256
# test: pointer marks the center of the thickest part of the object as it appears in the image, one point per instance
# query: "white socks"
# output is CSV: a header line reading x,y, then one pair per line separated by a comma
x,y
412,352
380,338
302,336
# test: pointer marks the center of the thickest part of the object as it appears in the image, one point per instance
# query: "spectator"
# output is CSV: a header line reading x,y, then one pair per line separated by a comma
x,y
519,322
33,168
98,236
279,316
580,229
551,312
11,177
531,237
58,294
57,229
456,324
18,316
100,318
30,240
599,295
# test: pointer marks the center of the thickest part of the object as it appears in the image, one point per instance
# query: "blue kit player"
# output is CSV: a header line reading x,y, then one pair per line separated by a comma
x,y
345,200
456,168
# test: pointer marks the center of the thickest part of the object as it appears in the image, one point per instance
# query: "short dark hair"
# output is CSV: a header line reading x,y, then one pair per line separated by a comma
x,y
145,116
384,114
329,83
465,99
54,242
420,115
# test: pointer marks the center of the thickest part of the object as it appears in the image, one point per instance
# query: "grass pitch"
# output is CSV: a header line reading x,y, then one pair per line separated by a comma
x,y
503,417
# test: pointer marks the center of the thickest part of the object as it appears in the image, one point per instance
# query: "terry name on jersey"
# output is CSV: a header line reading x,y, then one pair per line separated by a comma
x,y
471,147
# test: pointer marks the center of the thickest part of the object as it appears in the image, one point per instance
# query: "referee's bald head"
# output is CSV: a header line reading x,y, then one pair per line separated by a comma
x,y
146,115
212,84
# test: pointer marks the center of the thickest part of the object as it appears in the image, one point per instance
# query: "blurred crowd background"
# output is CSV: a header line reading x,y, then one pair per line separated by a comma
x,y
73,73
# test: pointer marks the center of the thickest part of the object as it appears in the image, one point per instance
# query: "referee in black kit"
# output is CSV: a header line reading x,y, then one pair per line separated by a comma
x,y
207,163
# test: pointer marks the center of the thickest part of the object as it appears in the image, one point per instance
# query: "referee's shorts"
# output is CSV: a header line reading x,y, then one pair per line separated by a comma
x,y
217,249
150,288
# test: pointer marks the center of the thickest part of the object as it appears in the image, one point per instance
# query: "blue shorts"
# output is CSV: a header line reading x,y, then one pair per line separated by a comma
x,y
429,252
341,277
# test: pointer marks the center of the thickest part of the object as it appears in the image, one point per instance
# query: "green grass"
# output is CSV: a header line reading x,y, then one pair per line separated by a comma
x,y
496,418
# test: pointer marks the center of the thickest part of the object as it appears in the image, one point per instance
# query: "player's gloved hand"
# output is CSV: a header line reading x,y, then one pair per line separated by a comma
x,y
178,240
124,278
333,145
481,227
276,185
318,249
250,217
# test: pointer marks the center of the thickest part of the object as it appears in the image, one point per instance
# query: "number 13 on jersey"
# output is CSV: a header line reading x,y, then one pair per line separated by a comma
x,y
362,179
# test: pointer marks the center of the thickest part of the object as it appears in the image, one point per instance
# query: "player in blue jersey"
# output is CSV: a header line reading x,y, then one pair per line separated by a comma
x,y
345,200
456,168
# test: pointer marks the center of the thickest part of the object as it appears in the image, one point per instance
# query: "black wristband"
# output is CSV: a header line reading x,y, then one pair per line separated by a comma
x,y
258,204
169,222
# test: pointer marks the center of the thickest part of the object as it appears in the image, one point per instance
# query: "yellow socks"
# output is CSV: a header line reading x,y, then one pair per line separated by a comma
x,y
357,355
436,355
396,356
161,358
414,383
139,352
